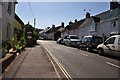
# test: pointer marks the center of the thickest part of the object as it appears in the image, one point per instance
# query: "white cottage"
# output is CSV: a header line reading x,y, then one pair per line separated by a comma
x,y
103,24
88,27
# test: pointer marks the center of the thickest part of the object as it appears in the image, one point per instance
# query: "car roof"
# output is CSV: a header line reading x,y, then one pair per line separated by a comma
x,y
91,36
115,36
72,35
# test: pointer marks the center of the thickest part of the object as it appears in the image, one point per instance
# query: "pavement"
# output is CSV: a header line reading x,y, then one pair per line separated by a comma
x,y
31,63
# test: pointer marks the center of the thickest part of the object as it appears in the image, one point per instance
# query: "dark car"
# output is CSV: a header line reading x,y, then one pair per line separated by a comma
x,y
60,41
90,42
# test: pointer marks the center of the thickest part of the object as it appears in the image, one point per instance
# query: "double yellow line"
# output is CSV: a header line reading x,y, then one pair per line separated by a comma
x,y
50,55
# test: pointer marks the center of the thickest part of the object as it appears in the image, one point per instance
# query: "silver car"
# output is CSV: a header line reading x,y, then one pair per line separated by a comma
x,y
71,40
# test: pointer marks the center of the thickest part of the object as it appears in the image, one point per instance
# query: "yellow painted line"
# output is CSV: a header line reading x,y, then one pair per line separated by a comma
x,y
60,65
113,64
52,63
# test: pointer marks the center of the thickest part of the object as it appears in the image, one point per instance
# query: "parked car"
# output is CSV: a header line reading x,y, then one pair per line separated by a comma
x,y
90,42
71,40
60,41
110,46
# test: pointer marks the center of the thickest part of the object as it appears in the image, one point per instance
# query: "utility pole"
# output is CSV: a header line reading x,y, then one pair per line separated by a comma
x,y
34,22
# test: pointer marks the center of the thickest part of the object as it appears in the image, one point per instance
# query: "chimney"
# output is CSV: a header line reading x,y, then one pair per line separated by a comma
x,y
75,20
114,4
28,23
62,24
48,27
53,26
70,23
87,15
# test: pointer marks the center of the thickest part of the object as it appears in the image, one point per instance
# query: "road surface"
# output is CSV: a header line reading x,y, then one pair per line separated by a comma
x,y
82,64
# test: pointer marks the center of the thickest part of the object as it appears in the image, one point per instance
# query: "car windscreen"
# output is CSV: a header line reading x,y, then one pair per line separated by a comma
x,y
97,40
86,39
74,37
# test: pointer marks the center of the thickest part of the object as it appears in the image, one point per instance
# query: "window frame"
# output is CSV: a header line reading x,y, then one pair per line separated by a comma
x,y
112,42
10,7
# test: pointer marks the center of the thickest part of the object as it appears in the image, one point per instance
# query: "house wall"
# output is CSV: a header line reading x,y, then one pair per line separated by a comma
x,y
107,27
50,36
8,19
103,29
74,32
0,24
84,31
63,34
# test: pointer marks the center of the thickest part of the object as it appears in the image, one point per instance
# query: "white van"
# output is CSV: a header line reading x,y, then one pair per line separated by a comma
x,y
111,46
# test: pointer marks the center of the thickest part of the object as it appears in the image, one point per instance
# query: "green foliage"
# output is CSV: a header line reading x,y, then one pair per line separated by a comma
x,y
6,45
23,41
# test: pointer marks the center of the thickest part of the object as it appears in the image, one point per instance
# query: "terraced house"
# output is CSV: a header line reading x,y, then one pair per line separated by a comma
x,y
104,24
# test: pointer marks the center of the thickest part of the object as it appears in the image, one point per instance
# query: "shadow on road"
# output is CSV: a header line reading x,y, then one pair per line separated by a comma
x,y
105,55
110,56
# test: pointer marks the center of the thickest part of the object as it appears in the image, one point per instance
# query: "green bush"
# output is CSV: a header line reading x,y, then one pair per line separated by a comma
x,y
22,41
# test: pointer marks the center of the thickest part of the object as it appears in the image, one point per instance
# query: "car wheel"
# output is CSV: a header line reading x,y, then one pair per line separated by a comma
x,y
100,51
78,47
88,49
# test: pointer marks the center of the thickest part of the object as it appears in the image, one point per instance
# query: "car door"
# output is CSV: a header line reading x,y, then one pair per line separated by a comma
x,y
109,45
117,46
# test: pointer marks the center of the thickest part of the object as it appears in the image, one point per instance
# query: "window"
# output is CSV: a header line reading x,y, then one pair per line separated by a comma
x,y
87,39
119,41
110,41
113,23
93,26
74,37
9,7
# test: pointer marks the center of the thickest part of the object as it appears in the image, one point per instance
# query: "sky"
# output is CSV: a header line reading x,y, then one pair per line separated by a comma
x,y
49,13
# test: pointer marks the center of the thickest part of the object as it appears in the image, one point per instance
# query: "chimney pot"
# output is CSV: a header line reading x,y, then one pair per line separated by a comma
x,y
87,15
114,4
75,20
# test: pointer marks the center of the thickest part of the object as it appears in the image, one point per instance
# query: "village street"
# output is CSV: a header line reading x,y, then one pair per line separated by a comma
x,y
67,62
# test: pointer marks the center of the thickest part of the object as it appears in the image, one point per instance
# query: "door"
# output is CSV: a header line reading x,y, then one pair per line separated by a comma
x,y
110,45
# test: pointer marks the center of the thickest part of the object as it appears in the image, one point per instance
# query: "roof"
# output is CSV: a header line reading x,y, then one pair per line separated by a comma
x,y
87,22
109,14
102,17
75,25
61,29
51,30
18,19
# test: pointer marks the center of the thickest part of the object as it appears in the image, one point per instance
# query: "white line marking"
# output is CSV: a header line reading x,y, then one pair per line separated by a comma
x,y
113,64
84,54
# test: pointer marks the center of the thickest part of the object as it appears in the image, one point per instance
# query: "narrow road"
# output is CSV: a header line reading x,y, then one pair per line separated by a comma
x,y
82,64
